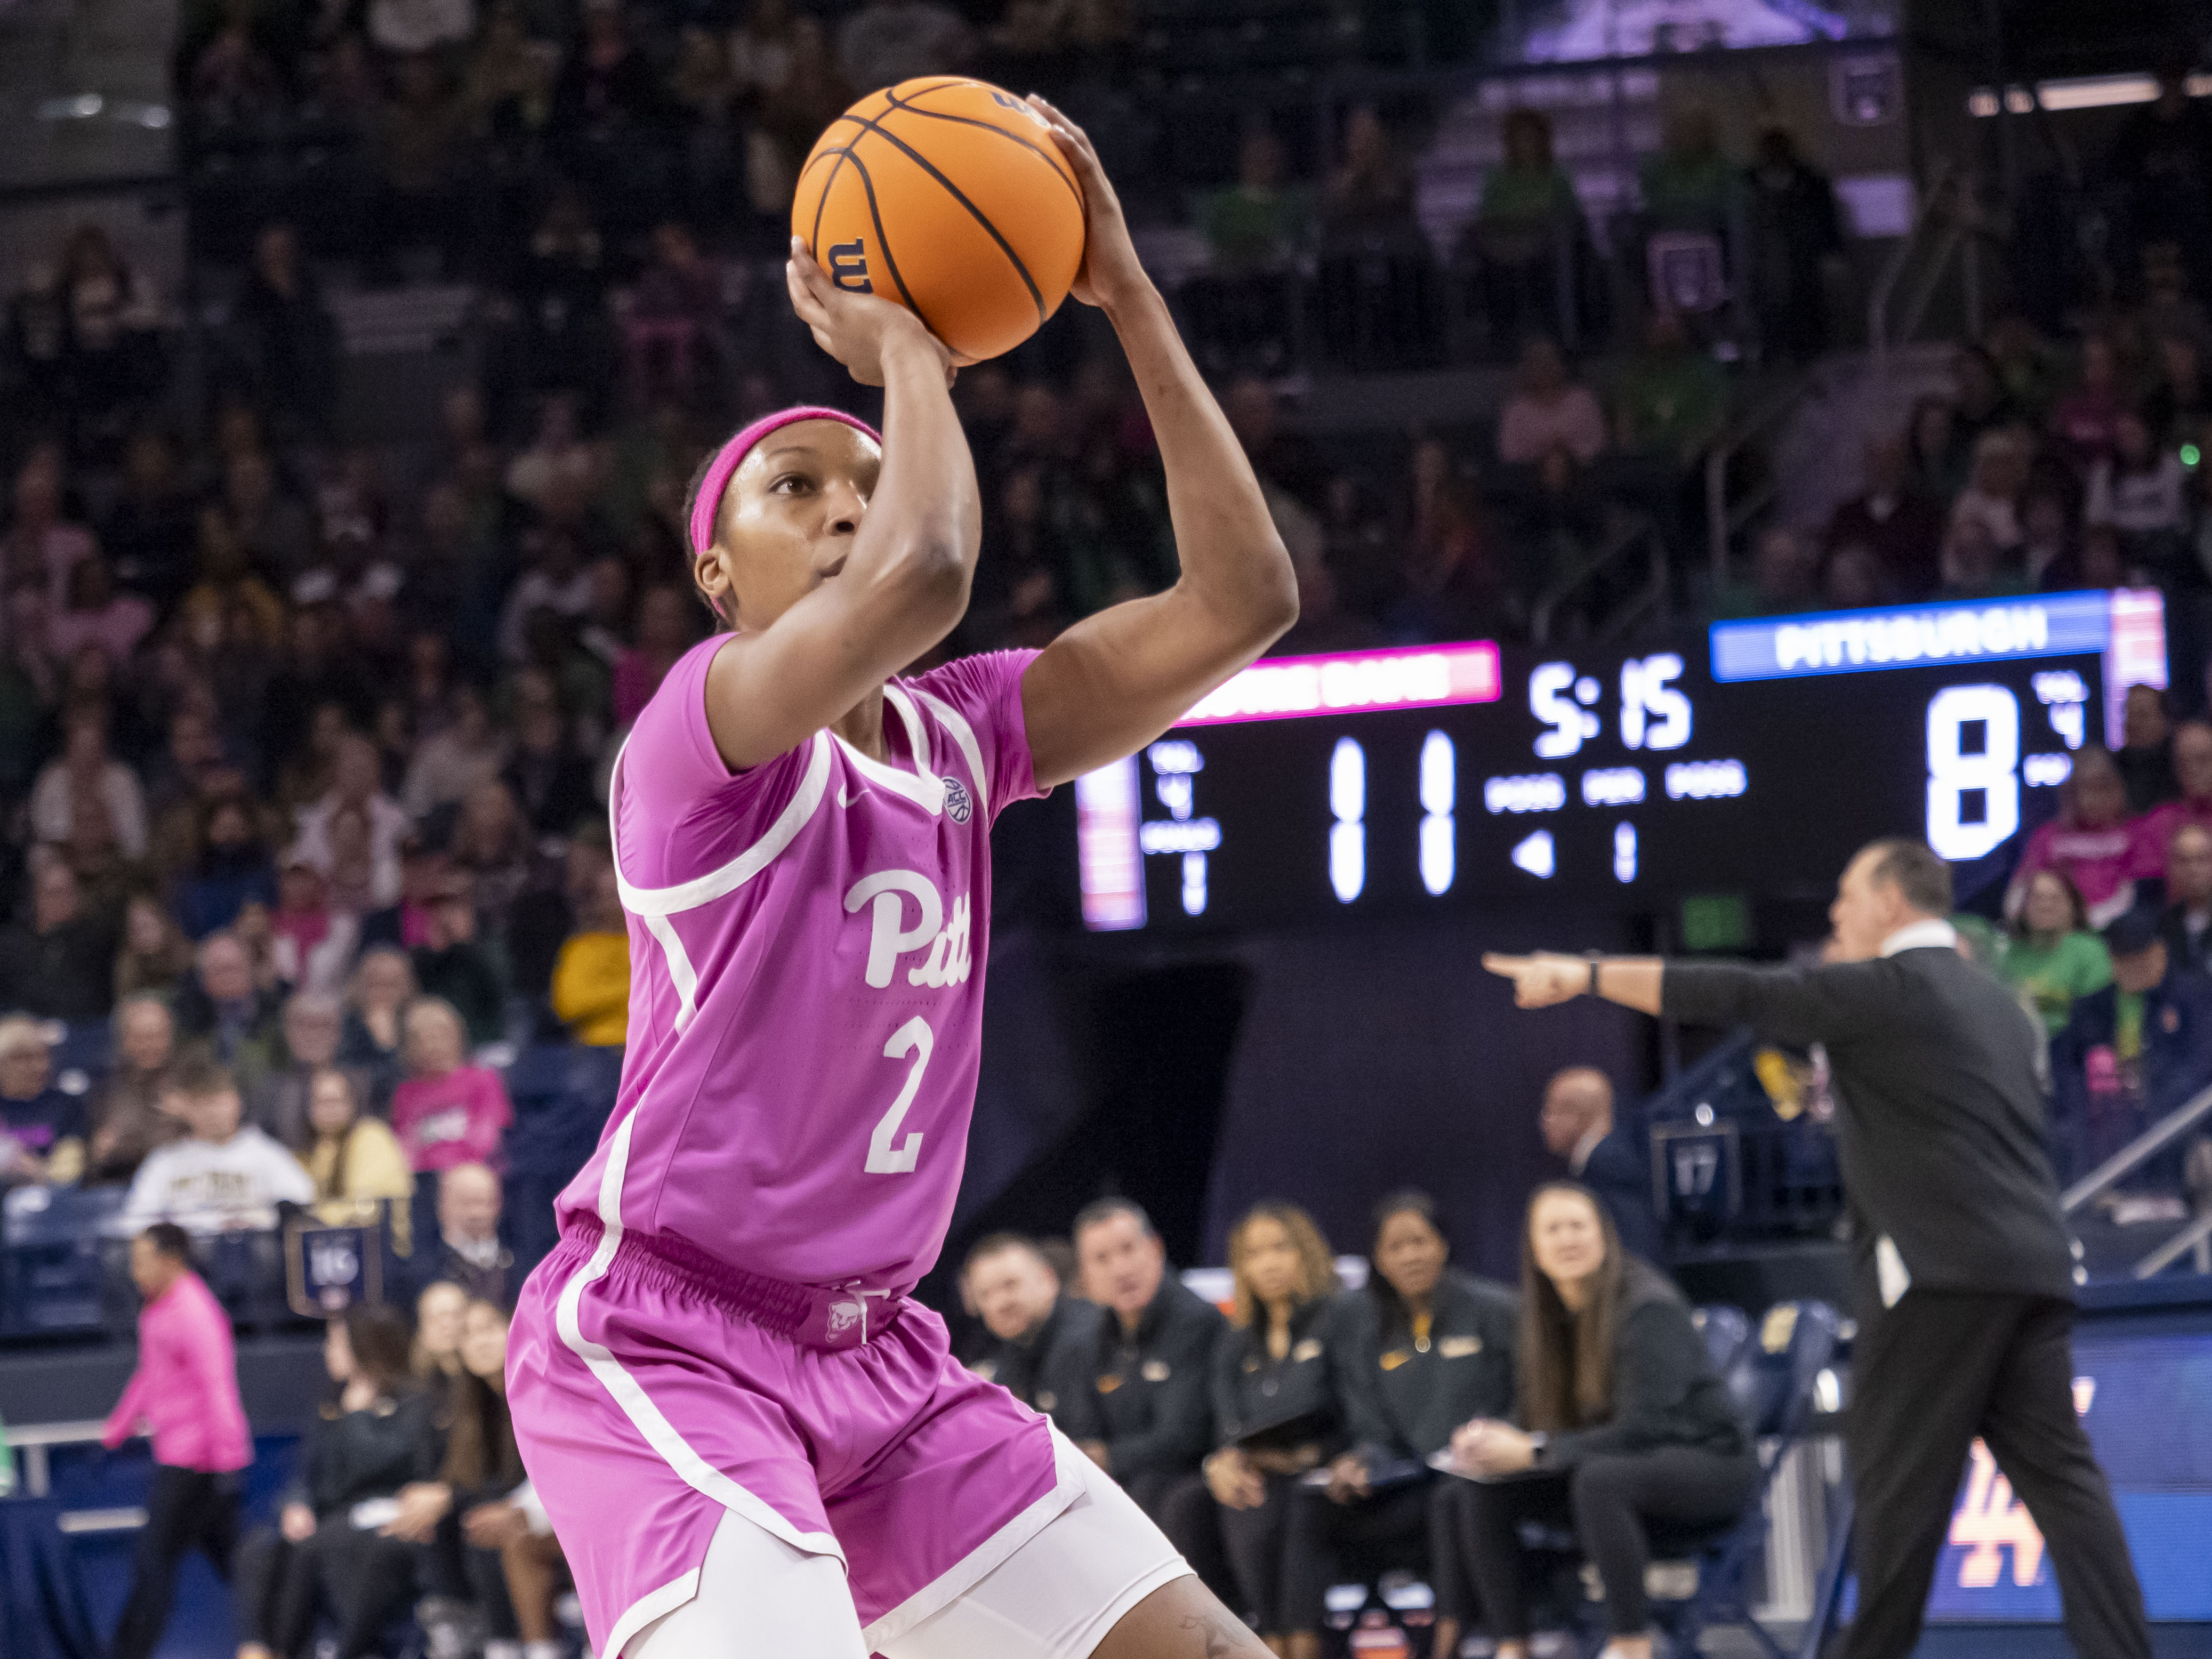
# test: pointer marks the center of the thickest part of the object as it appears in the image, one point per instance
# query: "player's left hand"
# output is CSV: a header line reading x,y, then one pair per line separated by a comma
x,y
1540,980
1111,270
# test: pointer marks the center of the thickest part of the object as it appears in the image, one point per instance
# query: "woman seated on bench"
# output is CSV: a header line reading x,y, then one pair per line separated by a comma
x,y
1624,1424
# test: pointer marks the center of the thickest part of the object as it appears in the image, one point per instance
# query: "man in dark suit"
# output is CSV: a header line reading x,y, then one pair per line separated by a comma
x,y
1965,1275
1577,1125
1037,1334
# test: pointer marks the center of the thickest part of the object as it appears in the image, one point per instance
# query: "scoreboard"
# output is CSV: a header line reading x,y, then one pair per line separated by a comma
x,y
1754,757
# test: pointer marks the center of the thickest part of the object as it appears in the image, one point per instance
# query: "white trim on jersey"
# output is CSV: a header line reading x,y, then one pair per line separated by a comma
x,y
649,1420
921,786
964,735
689,895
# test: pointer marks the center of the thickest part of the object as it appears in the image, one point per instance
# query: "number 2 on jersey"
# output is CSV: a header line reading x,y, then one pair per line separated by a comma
x,y
911,1038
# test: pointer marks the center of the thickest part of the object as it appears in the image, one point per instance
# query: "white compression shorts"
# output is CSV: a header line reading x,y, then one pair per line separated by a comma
x,y
1053,1598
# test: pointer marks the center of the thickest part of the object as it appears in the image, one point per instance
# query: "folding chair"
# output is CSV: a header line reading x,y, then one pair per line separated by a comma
x,y
1775,1379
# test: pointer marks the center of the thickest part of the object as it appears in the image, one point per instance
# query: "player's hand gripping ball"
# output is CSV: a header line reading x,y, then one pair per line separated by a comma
x,y
950,197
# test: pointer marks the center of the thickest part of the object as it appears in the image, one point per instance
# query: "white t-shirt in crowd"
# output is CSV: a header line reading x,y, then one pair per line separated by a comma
x,y
205,1186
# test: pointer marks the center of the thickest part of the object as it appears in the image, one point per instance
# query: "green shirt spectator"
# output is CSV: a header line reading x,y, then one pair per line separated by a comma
x,y
1671,396
1259,221
2055,958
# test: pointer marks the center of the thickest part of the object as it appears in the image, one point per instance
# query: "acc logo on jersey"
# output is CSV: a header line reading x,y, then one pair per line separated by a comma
x,y
959,805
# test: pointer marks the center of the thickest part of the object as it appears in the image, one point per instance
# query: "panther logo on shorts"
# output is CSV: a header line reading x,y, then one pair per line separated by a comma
x,y
959,804
843,1316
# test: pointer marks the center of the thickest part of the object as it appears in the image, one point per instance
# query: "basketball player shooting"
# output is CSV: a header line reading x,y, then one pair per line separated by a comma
x,y
748,1437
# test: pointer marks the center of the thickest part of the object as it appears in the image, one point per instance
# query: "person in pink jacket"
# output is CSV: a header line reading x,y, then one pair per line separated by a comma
x,y
447,1112
186,1392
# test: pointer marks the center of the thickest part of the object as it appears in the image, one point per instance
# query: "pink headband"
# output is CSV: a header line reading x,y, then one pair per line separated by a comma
x,y
730,455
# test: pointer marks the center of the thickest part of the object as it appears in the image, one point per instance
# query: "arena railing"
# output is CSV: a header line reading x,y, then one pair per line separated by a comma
x,y
2167,1132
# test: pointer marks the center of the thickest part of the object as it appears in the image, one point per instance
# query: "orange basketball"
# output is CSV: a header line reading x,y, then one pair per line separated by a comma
x,y
949,196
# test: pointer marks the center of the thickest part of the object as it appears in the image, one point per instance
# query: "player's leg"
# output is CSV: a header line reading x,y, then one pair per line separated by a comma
x,y
1099,1579
2036,1436
759,1598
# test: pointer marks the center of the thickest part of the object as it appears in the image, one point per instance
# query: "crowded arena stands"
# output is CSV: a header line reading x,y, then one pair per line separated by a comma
x,y
348,461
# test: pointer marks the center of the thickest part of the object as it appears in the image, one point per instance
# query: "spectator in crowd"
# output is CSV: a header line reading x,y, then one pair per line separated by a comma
x,y
1626,1423
440,1312
460,1512
41,1127
2093,841
470,1254
357,783
148,532
2157,158
1991,497
224,1008
1577,1124
1036,1332
2179,406
2134,1050
1140,1402
311,1033
2054,957
1528,213
184,1390
232,870
1548,410
40,543
280,325
1275,1409
1674,396
2192,777
1904,527
57,963
223,1176
2185,924
2084,421
1424,1351
1941,454
447,1112
667,619
591,977
1687,183
94,613
450,763
1782,578
548,775
86,801
2141,490
1252,229
452,965
154,956
2145,756
332,1545
2049,555
356,1162
313,944
128,1120
1793,228
374,1030
1852,578
888,41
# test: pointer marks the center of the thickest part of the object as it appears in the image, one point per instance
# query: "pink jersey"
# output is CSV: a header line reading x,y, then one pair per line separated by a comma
x,y
808,941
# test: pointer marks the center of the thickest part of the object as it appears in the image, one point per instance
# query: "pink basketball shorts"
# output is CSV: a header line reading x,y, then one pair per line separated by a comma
x,y
651,1395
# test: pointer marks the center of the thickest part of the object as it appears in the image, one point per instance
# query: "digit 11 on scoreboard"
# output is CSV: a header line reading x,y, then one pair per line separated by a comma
x,y
1955,773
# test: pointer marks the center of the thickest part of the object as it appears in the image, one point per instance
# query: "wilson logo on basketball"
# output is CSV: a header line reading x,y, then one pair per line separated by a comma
x,y
848,268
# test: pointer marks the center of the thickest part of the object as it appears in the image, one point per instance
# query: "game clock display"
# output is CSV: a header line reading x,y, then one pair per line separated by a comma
x,y
1752,758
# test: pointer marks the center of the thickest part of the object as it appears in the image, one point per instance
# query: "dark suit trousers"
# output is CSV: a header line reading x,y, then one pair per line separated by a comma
x,y
1927,1376
185,1510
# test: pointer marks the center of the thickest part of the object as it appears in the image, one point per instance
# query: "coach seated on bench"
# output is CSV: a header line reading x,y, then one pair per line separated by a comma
x,y
1626,1423
1036,1330
1424,1350
1275,1405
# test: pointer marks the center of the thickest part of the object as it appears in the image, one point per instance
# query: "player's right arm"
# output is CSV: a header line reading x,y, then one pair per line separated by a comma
x,y
904,585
